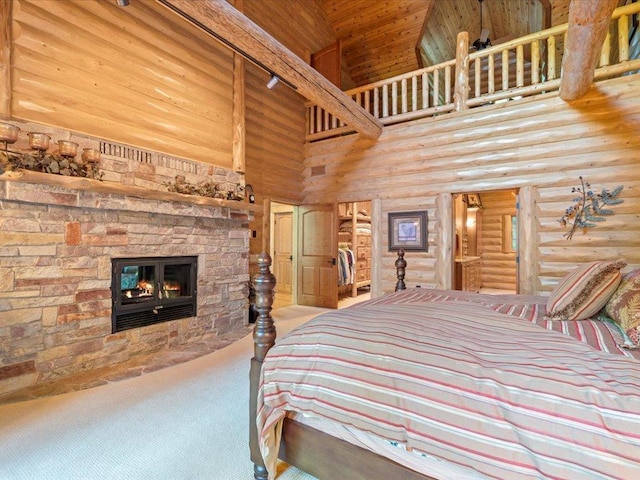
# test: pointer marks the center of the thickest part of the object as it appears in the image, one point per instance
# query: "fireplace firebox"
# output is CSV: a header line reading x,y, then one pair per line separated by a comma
x,y
151,290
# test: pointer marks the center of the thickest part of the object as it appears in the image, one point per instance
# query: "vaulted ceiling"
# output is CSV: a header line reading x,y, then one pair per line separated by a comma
x,y
366,31
383,38
379,38
504,19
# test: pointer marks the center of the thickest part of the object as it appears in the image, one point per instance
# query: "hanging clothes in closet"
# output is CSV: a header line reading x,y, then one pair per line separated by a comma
x,y
346,261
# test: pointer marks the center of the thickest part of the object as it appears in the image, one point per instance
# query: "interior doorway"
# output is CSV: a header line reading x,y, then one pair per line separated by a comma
x,y
354,252
282,251
486,241
305,243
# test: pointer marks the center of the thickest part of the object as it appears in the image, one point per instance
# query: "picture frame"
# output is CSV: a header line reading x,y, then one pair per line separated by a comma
x,y
408,231
473,200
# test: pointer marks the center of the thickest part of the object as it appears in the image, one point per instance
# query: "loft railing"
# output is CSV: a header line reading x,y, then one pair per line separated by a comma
x,y
526,66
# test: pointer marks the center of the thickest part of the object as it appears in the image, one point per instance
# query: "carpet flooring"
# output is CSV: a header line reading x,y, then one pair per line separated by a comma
x,y
189,421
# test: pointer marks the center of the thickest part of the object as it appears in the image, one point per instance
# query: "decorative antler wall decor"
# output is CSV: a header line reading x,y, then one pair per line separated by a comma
x,y
589,207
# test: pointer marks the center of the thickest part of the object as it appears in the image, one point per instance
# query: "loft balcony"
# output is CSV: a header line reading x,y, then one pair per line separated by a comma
x,y
527,66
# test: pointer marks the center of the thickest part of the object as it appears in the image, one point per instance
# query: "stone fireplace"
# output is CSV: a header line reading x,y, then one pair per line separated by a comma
x,y
58,236
150,290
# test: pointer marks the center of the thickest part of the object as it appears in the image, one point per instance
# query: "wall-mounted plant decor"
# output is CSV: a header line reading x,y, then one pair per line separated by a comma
x,y
206,188
589,207
49,163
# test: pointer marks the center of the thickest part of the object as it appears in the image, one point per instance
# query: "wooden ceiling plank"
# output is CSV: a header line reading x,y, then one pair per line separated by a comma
x,y
545,6
393,26
353,15
308,29
238,30
420,58
404,27
588,27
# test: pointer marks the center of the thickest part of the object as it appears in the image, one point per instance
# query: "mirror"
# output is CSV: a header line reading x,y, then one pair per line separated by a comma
x,y
509,233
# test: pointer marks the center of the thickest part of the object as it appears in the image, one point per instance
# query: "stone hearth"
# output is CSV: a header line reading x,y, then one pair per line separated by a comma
x,y
57,238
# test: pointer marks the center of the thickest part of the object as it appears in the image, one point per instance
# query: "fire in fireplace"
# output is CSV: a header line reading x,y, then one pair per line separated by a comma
x,y
150,290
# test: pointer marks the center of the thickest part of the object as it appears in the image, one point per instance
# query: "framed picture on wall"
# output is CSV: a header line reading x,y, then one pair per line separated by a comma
x,y
408,231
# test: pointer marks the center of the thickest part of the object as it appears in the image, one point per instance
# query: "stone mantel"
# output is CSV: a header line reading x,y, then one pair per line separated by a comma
x,y
44,188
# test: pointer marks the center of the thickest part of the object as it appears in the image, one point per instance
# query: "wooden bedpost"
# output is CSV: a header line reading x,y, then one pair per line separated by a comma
x,y
264,337
401,264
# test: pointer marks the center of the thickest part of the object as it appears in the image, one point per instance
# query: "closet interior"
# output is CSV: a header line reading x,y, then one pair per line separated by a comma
x,y
354,247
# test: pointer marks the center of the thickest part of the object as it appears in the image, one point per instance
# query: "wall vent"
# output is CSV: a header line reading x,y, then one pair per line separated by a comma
x,y
121,151
318,170
177,164
142,319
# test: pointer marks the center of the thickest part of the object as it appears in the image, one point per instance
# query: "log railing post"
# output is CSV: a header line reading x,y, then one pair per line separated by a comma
x,y
461,88
376,102
535,62
505,69
605,54
491,69
447,85
551,57
436,88
264,337
623,39
394,98
425,91
520,66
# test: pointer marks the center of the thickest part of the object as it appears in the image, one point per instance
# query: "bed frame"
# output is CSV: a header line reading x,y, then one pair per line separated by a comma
x,y
308,449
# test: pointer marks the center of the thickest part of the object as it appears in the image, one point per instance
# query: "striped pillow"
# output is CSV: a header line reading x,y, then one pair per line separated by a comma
x,y
583,292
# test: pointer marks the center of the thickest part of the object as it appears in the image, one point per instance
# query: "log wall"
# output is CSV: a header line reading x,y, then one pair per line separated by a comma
x,y
541,144
421,265
274,149
137,75
275,119
141,76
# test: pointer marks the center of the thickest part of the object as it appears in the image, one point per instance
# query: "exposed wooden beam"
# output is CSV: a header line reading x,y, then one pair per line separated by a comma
x,y
588,27
235,29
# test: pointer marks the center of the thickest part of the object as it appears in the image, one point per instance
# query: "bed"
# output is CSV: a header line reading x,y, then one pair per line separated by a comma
x,y
438,384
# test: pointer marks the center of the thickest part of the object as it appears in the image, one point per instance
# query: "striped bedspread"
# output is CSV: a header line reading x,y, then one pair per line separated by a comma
x,y
603,336
463,381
